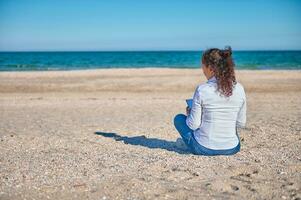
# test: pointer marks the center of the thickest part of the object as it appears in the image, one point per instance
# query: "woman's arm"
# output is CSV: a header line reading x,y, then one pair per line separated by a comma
x,y
241,117
242,114
193,119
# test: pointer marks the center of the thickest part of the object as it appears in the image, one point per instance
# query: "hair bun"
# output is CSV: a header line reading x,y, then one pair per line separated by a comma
x,y
227,52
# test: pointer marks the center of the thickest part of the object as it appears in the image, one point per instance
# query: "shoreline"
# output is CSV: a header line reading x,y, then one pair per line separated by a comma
x,y
120,70
137,68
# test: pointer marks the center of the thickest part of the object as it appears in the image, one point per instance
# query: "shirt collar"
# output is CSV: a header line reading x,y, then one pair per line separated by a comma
x,y
212,80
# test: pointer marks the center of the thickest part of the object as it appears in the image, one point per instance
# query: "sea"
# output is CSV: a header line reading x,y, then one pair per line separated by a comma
x,y
48,61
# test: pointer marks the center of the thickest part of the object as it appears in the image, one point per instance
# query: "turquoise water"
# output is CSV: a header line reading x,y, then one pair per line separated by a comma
x,y
32,61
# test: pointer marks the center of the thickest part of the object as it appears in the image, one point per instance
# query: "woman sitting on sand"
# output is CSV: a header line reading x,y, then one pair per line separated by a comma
x,y
218,108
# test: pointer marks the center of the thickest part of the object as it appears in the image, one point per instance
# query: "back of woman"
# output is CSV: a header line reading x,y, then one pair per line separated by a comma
x,y
219,117
218,108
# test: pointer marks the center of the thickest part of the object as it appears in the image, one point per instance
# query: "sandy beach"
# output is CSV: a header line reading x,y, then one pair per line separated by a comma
x,y
109,134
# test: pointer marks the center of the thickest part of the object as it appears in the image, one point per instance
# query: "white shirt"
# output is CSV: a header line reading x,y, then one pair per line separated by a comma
x,y
214,118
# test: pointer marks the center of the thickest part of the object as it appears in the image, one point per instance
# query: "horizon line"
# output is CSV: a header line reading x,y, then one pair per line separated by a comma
x,y
162,50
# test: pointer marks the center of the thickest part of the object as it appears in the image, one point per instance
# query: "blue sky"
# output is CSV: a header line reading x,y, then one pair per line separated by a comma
x,y
51,25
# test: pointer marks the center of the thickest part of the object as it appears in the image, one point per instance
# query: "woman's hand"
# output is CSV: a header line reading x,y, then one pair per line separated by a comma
x,y
187,110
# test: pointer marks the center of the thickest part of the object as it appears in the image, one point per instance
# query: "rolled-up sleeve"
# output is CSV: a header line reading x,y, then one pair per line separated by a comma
x,y
241,117
193,120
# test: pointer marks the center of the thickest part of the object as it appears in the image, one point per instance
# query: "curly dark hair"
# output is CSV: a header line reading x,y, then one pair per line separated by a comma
x,y
222,64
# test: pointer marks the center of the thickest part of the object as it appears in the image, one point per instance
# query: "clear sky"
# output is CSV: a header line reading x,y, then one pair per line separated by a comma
x,y
149,24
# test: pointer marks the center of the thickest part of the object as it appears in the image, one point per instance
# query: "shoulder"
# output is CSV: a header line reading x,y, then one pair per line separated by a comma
x,y
239,86
201,87
240,89
205,86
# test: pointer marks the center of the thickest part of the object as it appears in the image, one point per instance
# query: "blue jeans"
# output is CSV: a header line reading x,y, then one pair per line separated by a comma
x,y
188,137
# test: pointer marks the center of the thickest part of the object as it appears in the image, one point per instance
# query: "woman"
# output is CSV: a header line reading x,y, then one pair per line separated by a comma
x,y
218,108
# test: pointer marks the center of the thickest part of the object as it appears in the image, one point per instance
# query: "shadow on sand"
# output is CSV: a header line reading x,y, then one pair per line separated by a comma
x,y
152,143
